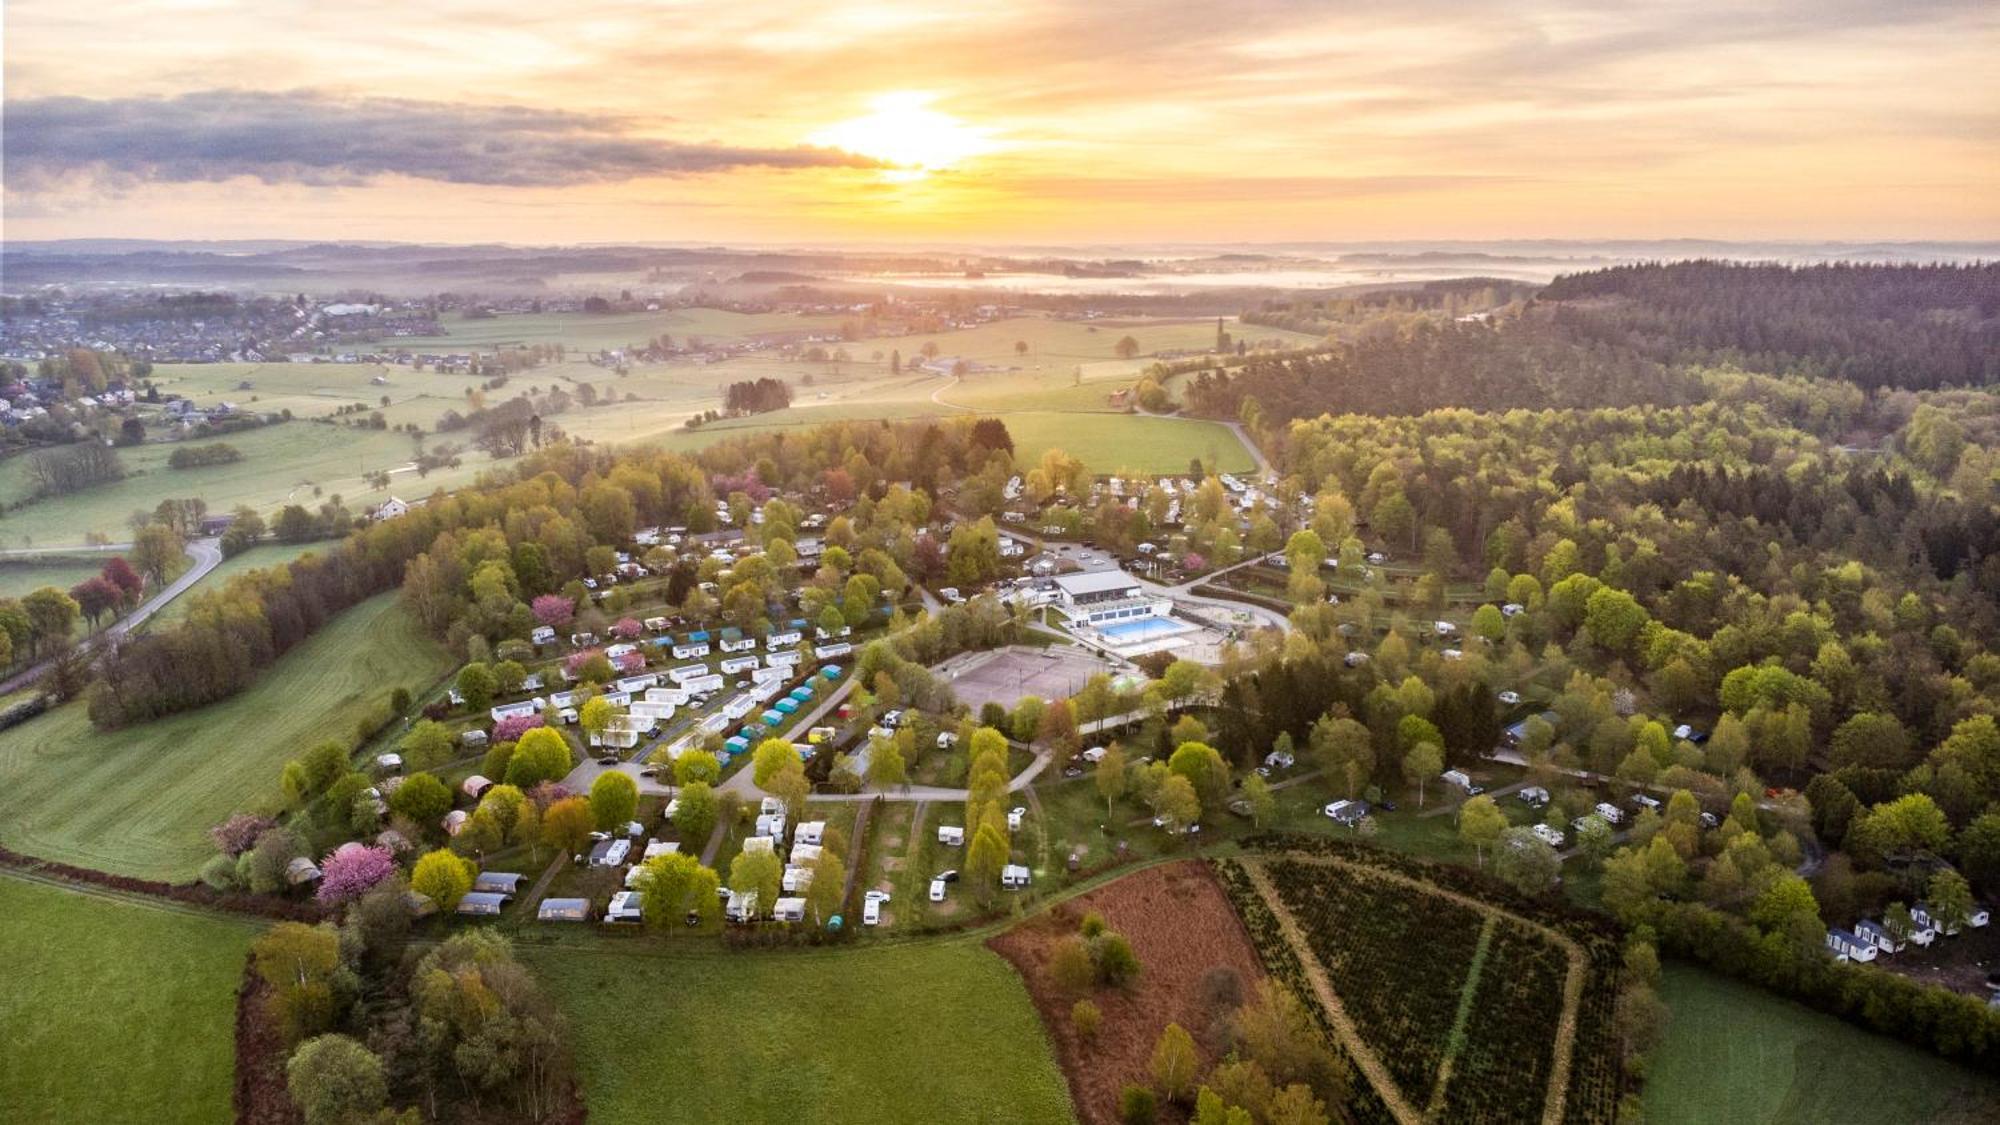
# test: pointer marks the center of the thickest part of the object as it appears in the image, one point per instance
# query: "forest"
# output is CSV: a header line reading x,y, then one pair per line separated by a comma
x,y
1637,335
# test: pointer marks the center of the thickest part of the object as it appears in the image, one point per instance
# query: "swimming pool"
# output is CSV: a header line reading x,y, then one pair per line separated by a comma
x,y
1140,629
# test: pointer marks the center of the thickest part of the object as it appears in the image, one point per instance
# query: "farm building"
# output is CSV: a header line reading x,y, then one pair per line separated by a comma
x,y
563,910
483,903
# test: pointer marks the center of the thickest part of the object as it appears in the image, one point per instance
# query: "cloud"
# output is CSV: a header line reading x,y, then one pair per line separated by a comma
x,y
316,138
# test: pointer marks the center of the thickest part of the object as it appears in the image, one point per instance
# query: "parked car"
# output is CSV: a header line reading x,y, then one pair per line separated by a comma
x,y
937,890
608,760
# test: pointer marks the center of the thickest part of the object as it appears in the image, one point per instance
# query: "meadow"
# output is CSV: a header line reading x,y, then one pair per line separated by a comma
x,y
139,801
287,463
115,1010
22,576
1733,1052
923,1033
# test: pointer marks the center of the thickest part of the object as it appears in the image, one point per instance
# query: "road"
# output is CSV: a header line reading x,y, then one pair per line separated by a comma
x,y
207,555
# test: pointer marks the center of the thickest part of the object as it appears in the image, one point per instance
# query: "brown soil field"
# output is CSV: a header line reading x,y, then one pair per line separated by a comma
x,y
1196,966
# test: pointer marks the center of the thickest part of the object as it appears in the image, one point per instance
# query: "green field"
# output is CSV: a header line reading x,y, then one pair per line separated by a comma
x,y
115,1010
281,464
20,576
1736,1053
930,1033
593,332
139,801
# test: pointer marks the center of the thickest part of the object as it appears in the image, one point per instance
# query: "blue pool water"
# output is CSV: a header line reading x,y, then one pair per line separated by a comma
x,y
1140,628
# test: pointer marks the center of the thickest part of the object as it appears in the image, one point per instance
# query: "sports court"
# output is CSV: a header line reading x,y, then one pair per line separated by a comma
x,y
1003,676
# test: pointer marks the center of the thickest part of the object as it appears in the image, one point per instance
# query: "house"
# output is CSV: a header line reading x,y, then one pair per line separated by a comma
x,y
626,907
389,509
1846,947
483,903
951,835
1877,935
301,871
1105,597
504,882
563,910
1014,875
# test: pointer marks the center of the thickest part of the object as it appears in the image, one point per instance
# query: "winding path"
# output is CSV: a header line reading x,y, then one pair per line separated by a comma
x,y
207,555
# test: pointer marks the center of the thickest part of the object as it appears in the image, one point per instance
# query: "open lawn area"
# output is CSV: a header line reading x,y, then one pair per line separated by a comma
x,y
1736,1053
140,801
597,331
281,464
926,1033
115,1010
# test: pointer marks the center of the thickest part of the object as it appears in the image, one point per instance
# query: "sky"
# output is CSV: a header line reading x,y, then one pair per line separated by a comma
x,y
1029,121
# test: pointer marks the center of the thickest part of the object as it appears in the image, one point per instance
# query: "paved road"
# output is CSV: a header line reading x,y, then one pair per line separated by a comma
x,y
207,555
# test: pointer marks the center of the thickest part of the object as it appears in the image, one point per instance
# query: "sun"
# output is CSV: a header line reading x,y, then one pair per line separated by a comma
x,y
904,131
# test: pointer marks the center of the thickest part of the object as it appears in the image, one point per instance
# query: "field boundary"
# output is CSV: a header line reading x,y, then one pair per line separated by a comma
x,y
1365,1059
1563,1049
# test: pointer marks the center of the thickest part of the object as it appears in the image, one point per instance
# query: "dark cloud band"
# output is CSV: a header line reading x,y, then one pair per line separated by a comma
x,y
317,138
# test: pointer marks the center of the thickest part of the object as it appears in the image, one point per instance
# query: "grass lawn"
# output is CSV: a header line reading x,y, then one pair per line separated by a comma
x,y
115,1010
819,1036
139,801
1735,1053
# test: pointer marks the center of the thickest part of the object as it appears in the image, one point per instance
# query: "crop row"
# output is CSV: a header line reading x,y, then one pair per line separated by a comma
x,y
1597,1077
1397,958
1281,961
1502,1072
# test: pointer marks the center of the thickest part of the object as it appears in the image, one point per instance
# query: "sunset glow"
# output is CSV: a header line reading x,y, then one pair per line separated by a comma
x,y
902,129
1154,119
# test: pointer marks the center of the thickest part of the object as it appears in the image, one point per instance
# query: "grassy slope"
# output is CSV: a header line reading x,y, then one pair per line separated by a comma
x,y
281,463
1735,1053
931,1033
139,801
115,1011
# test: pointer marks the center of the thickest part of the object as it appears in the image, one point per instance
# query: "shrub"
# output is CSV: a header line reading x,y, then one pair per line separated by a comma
x,y
1138,1105
1085,1017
